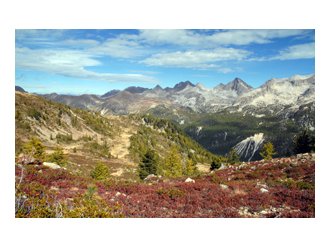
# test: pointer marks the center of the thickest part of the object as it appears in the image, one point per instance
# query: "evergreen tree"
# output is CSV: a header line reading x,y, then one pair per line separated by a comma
x,y
215,165
58,157
100,172
232,157
267,151
190,168
304,142
34,148
173,165
148,164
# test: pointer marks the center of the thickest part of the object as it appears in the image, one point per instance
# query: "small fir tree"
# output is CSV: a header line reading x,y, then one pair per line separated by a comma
x,y
267,151
58,157
148,164
173,165
100,172
190,168
215,165
34,148
232,157
304,142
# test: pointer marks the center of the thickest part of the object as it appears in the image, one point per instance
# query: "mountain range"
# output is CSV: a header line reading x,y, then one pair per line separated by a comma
x,y
227,116
274,96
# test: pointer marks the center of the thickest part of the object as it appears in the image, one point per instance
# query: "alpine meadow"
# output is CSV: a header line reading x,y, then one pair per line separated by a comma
x,y
165,123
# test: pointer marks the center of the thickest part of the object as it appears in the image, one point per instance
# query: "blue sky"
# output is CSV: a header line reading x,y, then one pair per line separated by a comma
x,y
97,61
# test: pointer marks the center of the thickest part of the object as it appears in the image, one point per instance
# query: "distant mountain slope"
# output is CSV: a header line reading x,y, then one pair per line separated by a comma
x,y
285,92
272,97
20,89
88,137
221,117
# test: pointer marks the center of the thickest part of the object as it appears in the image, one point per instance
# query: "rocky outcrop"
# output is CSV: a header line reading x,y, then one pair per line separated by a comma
x,y
51,165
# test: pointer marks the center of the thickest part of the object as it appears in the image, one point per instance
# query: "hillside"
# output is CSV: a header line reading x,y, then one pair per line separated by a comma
x,y
76,163
276,188
220,118
88,138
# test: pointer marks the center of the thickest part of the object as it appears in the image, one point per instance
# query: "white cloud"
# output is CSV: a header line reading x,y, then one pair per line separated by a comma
x,y
41,37
170,36
302,51
119,47
198,59
70,63
79,43
217,38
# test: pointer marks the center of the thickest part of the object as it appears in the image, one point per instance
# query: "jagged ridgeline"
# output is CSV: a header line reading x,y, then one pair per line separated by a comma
x,y
223,117
88,138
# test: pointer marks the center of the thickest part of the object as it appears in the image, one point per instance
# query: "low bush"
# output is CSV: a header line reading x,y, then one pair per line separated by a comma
x,y
100,172
58,157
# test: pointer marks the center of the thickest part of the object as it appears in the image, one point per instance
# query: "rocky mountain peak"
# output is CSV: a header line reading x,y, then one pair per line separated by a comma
x,y
134,89
182,85
158,87
110,93
238,85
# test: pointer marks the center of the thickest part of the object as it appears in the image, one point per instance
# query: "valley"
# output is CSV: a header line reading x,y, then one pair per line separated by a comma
x,y
77,156
219,118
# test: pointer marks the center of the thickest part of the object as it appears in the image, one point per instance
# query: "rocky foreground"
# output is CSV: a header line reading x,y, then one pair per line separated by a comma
x,y
283,187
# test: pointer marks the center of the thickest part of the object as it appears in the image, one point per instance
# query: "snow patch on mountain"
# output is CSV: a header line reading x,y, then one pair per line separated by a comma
x,y
199,128
249,146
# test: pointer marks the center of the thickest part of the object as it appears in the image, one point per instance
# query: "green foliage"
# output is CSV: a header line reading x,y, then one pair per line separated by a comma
x,y
34,205
215,165
75,123
33,113
61,138
35,148
267,151
96,122
148,164
18,146
294,184
160,135
304,142
100,172
86,138
40,203
173,165
92,206
99,149
232,157
190,168
172,193
58,157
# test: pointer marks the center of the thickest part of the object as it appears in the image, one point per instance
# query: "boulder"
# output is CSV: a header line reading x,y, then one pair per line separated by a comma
x,y
51,165
153,178
26,160
224,186
263,190
120,194
189,180
150,177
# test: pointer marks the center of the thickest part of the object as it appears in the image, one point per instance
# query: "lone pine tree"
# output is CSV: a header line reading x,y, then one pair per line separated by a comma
x,y
148,164
267,151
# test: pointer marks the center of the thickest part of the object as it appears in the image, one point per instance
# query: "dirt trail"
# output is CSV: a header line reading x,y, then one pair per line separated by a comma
x,y
121,143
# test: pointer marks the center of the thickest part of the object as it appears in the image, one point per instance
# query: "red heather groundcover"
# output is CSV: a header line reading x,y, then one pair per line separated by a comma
x,y
279,188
